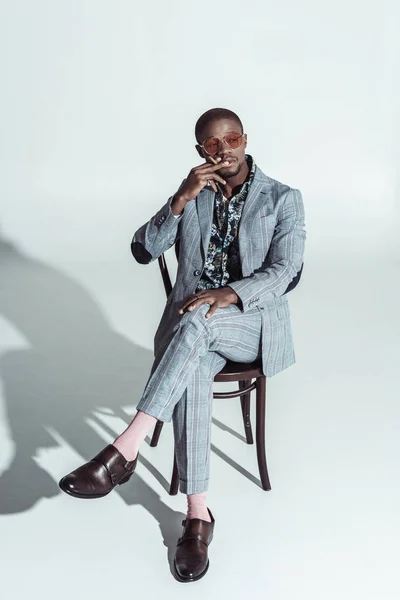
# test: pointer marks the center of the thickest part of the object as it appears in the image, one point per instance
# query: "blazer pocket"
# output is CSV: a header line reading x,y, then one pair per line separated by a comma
x,y
280,312
283,311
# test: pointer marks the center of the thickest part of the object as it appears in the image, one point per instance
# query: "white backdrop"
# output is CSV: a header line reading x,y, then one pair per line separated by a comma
x,y
99,102
98,106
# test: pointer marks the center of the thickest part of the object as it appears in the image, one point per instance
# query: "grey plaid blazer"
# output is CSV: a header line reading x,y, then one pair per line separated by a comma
x,y
271,246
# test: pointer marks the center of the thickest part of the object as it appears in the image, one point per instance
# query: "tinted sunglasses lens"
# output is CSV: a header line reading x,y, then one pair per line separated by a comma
x,y
211,145
233,140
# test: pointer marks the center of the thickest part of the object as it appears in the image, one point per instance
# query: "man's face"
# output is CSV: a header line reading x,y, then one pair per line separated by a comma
x,y
219,129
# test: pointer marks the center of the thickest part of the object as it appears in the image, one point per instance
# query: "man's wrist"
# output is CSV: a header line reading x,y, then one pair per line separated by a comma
x,y
177,205
235,297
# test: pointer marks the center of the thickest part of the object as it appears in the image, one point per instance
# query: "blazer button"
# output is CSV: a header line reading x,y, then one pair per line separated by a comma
x,y
196,273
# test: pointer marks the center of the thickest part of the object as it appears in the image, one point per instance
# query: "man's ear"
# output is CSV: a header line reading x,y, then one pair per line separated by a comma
x,y
200,151
245,140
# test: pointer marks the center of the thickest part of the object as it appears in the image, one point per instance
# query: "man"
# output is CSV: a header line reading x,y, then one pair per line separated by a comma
x,y
241,237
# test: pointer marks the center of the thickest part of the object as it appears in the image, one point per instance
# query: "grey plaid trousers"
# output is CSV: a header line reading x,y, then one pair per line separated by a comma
x,y
180,386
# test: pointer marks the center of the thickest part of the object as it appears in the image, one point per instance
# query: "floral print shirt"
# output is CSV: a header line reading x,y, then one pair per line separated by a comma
x,y
223,261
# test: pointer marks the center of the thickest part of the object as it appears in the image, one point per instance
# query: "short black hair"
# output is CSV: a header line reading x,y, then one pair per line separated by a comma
x,y
214,114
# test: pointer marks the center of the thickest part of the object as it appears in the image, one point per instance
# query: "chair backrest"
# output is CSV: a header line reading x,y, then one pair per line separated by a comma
x,y
164,269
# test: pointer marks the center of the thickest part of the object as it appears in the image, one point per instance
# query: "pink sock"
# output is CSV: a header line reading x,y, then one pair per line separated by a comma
x,y
197,507
129,441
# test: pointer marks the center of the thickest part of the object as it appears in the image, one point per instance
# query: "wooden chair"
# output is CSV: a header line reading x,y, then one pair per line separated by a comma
x,y
244,374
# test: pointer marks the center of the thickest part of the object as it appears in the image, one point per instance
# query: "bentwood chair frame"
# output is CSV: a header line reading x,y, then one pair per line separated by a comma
x,y
249,377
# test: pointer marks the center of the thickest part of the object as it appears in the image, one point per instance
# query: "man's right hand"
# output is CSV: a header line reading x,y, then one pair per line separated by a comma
x,y
197,179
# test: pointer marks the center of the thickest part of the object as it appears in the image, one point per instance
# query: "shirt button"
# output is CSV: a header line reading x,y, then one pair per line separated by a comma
x,y
196,273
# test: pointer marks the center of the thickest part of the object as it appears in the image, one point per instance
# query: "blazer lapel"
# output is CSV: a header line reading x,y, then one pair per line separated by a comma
x,y
257,196
205,209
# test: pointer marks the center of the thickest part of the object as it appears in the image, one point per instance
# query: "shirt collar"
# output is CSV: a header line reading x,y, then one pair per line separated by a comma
x,y
252,169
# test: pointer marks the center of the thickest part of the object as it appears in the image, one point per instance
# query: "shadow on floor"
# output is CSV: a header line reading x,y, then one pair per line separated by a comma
x,y
76,366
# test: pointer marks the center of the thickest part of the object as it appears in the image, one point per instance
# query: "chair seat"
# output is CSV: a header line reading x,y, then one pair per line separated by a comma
x,y
237,371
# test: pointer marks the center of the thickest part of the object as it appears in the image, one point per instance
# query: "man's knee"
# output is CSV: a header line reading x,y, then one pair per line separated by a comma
x,y
196,316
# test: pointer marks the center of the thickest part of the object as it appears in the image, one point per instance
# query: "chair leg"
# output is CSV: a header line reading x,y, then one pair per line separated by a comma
x,y
245,402
156,434
260,432
173,490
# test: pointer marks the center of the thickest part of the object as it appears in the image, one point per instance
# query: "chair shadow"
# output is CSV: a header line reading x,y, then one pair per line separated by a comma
x,y
74,366
228,429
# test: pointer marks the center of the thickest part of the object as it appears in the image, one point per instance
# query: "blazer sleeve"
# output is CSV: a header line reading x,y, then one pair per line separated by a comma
x,y
284,259
156,236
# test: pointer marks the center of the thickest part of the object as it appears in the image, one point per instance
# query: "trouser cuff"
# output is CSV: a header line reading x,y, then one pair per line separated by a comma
x,y
193,487
158,412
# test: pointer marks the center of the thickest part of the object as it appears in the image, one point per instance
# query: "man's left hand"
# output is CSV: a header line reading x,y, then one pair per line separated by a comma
x,y
218,298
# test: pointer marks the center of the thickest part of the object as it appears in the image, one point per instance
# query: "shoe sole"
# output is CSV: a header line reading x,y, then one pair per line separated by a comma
x,y
190,579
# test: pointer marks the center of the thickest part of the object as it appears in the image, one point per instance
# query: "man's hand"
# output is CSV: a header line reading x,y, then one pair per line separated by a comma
x,y
218,298
197,179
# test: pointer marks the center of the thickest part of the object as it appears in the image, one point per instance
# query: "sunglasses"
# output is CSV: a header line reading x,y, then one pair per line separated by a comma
x,y
212,144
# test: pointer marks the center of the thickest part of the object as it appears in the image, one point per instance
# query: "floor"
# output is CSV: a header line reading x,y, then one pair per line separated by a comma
x,y
328,529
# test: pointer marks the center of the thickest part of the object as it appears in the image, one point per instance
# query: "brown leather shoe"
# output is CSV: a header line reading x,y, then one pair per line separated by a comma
x,y
191,557
99,476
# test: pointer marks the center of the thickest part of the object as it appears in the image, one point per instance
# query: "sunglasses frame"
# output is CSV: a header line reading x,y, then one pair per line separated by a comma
x,y
222,140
